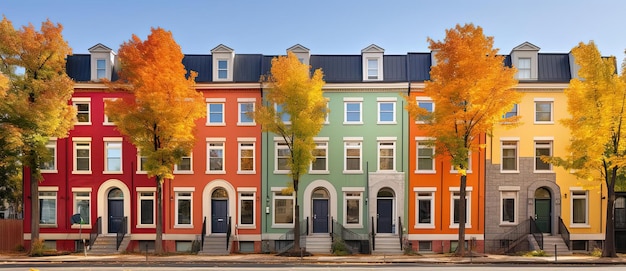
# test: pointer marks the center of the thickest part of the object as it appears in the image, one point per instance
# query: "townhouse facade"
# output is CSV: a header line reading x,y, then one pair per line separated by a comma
x,y
374,185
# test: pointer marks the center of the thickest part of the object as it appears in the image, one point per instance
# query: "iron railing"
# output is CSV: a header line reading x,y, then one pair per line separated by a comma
x,y
203,234
95,231
341,234
373,235
536,232
228,232
121,232
400,232
289,236
564,233
510,239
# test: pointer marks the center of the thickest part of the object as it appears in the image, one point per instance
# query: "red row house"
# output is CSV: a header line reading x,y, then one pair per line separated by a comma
x,y
212,203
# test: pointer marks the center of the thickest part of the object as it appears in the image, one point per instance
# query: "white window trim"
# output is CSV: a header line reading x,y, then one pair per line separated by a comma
x,y
542,140
82,100
325,141
423,99
54,189
178,190
76,140
139,198
469,165
106,154
138,170
551,101
572,190
382,140
432,191
346,101
241,198
241,141
75,211
345,152
468,198
379,68
276,148
215,140
345,212
274,197
424,145
106,121
211,101
503,195
190,171
240,102
502,148
382,100
229,69
529,69
52,143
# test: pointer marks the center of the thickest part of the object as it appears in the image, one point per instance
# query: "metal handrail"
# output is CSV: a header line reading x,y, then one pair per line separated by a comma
x,y
307,226
289,236
203,234
95,231
512,237
121,232
373,235
228,232
536,232
400,232
564,233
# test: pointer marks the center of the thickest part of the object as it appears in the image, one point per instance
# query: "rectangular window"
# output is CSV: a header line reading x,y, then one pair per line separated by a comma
x,y
284,116
352,154
246,157
246,109
511,113
48,208
508,207
425,157
141,163
320,155
146,208
542,148
283,154
543,111
454,168
183,208
113,153
246,205
283,209
425,209
455,197
216,113
352,112
372,69
222,69
579,207
354,209
107,120
216,160
81,206
101,67
82,155
523,68
386,112
509,156
426,104
83,110
185,165
49,165
386,155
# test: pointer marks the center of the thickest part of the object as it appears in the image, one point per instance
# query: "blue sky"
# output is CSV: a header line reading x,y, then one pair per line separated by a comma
x,y
329,26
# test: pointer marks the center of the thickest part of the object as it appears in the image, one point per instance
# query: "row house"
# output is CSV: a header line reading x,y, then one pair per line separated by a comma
x,y
375,184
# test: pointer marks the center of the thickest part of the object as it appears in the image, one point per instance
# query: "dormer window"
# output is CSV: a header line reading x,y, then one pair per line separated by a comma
x,y
523,68
372,69
372,57
102,62
101,68
525,58
223,60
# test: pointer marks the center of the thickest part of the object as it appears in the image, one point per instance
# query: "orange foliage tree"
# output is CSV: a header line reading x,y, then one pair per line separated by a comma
x,y
471,89
34,106
299,95
159,117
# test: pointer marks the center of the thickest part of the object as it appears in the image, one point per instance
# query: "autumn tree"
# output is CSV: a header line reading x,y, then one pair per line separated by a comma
x,y
298,94
10,173
596,101
471,89
159,115
35,105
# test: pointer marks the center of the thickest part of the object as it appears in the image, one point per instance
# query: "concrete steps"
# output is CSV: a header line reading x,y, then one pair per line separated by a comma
x,y
215,244
387,245
106,245
319,243
549,241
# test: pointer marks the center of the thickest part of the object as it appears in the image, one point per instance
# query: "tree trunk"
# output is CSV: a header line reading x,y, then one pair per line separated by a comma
x,y
158,242
460,249
609,237
34,208
296,222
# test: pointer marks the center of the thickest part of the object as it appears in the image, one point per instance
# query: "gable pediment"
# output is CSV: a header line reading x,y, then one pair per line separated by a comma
x,y
526,46
99,48
373,49
298,49
222,49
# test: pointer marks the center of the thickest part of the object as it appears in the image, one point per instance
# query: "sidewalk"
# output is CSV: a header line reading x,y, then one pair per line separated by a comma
x,y
271,258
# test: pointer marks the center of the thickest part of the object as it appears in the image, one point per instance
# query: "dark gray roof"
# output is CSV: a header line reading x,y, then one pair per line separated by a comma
x,y
395,68
200,64
553,68
338,68
78,67
247,68
419,67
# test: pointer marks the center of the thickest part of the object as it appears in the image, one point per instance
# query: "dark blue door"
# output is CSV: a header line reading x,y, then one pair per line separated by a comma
x,y
219,216
116,214
320,216
385,213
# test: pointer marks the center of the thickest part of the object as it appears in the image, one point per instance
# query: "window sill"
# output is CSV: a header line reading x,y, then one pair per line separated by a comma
x,y
108,124
509,171
457,172
352,172
353,226
48,226
216,124
49,171
247,172
319,172
246,124
185,226
543,171
150,226
112,172
215,172
281,172
81,172
141,172
353,123
429,226
246,227
84,226
283,226
183,172
580,226
387,123
543,122
425,172
456,226
508,224
82,123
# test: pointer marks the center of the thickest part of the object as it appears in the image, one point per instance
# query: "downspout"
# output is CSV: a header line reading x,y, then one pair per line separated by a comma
x,y
67,182
266,171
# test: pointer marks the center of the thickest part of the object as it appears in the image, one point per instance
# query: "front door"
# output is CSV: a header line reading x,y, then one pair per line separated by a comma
x,y
320,216
116,214
542,214
219,215
385,216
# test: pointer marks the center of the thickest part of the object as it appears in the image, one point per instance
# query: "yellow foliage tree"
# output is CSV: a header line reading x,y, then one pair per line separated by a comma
x,y
159,116
471,89
596,102
291,87
35,104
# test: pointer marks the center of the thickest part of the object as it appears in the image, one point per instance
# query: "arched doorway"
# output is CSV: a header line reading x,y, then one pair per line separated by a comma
x,y
320,210
115,205
543,209
219,211
384,210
